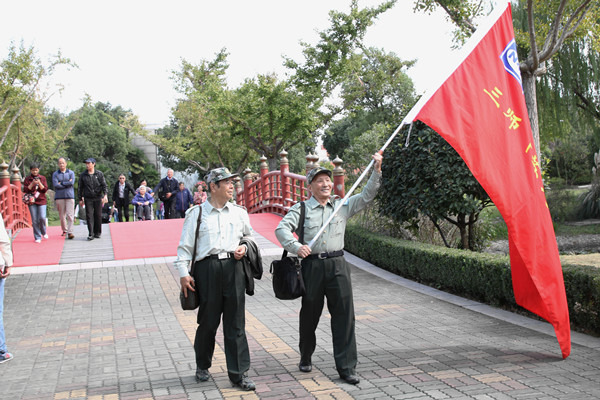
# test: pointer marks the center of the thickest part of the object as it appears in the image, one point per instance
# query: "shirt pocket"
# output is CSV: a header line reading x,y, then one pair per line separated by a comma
x,y
235,230
311,227
337,226
209,233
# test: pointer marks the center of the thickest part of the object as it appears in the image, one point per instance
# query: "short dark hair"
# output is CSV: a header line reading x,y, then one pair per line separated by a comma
x,y
34,165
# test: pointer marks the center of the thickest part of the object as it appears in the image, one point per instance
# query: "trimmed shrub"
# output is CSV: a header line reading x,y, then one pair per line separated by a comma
x,y
478,276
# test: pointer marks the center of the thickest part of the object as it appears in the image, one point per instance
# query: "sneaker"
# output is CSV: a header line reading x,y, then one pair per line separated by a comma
x,y
97,236
4,357
38,240
245,383
45,236
71,236
90,237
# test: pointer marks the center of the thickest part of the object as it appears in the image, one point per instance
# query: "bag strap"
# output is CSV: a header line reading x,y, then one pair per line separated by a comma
x,y
196,241
300,225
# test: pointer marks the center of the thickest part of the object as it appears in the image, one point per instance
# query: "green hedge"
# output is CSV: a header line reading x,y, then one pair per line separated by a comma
x,y
478,276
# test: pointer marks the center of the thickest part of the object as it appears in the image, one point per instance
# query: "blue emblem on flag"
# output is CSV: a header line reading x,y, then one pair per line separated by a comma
x,y
510,59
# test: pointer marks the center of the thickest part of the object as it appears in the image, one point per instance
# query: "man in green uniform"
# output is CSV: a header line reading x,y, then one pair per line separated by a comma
x,y
218,277
324,269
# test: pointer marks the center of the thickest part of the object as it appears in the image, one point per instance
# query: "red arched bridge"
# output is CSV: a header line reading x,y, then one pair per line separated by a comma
x,y
264,192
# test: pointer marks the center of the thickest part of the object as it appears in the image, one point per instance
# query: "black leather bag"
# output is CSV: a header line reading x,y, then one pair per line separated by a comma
x,y
288,283
192,301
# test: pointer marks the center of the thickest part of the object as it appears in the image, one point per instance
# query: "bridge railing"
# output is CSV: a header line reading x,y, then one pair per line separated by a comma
x,y
277,191
14,212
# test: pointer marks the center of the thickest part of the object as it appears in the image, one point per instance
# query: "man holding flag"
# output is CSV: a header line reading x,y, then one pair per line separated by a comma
x,y
324,269
480,110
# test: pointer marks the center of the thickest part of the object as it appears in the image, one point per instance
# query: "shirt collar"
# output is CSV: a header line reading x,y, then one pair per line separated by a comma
x,y
313,203
209,207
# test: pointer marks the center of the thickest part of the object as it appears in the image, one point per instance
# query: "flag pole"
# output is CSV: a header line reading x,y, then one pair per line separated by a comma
x,y
360,178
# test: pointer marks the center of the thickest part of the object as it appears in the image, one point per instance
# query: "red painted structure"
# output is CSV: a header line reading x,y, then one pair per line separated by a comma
x,y
276,191
14,212
271,192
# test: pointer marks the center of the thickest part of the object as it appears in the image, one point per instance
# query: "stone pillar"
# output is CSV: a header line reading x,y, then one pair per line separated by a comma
x,y
247,182
338,177
309,163
284,168
264,187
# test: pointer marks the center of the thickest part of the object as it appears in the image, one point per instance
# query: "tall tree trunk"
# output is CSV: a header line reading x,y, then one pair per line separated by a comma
x,y
532,108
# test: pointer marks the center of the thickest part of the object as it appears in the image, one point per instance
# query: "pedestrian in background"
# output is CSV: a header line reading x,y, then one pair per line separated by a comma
x,y
167,189
63,180
5,264
324,269
92,193
200,194
120,197
35,186
183,200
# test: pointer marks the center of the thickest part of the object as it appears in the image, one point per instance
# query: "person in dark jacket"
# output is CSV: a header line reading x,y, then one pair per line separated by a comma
x,y
120,197
36,186
183,200
92,192
63,180
167,189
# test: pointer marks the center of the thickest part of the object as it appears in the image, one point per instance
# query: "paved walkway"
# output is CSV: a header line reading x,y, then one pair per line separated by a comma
x,y
114,330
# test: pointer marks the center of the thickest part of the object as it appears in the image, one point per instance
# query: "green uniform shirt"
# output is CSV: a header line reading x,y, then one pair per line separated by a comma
x,y
332,238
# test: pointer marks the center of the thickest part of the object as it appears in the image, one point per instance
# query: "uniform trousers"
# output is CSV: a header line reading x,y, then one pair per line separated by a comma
x,y
329,278
221,286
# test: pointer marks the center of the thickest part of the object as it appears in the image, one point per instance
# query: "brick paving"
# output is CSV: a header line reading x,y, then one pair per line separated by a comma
x,y
114,330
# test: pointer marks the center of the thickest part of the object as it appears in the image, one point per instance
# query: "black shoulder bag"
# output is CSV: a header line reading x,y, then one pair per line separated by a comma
x,y
288,283
192,301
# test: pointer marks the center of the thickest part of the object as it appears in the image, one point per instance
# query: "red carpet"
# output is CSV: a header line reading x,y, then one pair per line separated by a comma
x,y
265,224
159,238
145,239
27,253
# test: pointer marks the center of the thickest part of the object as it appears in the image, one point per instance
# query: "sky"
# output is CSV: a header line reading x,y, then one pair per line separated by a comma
x,y
126,50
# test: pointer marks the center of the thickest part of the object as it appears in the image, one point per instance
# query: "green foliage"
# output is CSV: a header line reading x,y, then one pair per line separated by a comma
x,y
102,132
27,133
429,178
328,63
269,116
482,277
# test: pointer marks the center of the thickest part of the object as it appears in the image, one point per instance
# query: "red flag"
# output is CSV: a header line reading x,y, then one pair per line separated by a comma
x,y
480,110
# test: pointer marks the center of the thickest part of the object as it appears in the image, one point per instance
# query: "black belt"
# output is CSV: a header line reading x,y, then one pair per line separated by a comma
x,y
220,256
323,255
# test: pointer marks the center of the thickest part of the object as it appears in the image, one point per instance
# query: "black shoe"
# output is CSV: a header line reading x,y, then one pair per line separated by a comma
x,y
305,366
202,375
351,379
90,237
245,383
97,236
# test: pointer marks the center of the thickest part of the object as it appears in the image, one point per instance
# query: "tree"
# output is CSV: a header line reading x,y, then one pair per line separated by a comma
x,y
100,132
270,116
429,178
199,136
24,129
377,96
333,59
542,28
